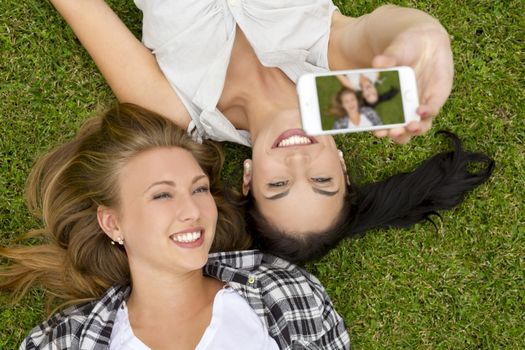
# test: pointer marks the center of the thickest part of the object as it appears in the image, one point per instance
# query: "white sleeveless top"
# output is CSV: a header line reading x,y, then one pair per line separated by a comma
x,y
234,326
192,43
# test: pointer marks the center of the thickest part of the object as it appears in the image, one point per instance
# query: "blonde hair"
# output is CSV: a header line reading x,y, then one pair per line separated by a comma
x,y
74,260
336,107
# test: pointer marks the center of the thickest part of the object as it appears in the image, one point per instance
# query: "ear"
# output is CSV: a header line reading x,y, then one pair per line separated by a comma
x,y
343,165
108,221
247,176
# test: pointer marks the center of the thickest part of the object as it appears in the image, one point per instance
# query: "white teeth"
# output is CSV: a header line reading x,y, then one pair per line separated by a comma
x,y
294,140
187,237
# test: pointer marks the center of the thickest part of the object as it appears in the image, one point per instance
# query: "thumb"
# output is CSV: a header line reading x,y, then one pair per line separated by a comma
x,y
384,61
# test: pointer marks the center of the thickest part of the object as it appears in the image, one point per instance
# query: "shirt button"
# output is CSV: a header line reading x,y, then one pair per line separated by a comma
x,y
232,2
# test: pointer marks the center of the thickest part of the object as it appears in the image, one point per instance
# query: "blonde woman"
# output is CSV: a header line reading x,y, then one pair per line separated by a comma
x,y
131,208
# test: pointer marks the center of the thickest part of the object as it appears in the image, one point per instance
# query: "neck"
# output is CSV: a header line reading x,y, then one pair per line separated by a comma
x,y
254,94
156,296
355,117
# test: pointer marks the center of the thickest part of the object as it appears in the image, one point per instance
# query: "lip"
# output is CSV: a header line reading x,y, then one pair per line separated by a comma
x,y
194,244
293,132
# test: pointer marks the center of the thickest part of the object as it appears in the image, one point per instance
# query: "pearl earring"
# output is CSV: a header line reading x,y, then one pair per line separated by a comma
x,y
246,166
120,241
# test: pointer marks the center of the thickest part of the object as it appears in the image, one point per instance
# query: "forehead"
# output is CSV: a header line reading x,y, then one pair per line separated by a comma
x,y
150,165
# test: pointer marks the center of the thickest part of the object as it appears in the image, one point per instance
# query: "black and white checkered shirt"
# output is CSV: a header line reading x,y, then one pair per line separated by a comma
x,y
291,302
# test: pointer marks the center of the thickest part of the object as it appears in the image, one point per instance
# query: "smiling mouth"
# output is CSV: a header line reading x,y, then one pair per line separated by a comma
x,y
293,137
189,239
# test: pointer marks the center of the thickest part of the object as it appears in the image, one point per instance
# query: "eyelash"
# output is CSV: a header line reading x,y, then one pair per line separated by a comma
x,y
164,195
322,179
278,183
315,179
202,189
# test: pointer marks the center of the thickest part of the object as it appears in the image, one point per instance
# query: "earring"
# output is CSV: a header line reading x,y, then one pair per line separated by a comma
x,y
120,241
246,166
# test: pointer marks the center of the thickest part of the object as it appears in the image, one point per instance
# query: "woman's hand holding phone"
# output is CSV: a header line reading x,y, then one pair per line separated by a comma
x,y
427,50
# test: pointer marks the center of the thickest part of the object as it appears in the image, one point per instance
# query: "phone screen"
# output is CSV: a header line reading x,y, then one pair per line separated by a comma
x,y
360,100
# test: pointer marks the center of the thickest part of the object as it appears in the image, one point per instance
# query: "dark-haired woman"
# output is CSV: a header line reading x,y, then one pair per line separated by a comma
x,y
226,70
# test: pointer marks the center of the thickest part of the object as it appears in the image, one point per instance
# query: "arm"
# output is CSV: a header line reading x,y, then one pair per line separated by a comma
x,y
127,65
394,36
343,79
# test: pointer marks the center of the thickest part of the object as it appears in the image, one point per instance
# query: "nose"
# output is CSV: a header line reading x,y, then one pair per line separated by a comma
x,y
298,158
187,209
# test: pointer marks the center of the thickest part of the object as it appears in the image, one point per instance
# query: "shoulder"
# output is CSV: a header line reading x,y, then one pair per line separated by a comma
x,y
59,331
87,323
299,306
371,115
263,271
292,303
341,123
286,281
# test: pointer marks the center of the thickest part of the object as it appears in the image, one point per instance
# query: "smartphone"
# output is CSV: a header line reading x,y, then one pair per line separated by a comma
x,y
357,100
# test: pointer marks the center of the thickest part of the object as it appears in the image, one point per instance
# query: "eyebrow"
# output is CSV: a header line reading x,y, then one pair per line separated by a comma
x,y
172,184
316,190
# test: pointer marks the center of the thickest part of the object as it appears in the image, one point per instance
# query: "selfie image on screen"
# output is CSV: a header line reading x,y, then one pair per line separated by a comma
x,y
359,100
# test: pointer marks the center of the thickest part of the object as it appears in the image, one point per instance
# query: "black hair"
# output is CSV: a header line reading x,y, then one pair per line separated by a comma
x,y
402,200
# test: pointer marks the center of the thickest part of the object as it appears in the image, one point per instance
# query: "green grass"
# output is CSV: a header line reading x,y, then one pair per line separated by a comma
x,y
461,287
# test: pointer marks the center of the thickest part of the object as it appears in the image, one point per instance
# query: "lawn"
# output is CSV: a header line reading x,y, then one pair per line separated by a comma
x,y
458,287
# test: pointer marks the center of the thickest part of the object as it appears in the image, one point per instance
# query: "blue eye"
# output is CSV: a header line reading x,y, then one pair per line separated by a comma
x,y
278,183
202,189
162,195
322,179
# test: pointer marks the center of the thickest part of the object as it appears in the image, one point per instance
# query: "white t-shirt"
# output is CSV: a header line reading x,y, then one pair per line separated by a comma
x,y
234,326
192,42
363,122
354,79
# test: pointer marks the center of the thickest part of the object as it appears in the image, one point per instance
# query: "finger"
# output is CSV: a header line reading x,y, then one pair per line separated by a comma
x,y
425,112
381,133
414,128
396,132
402,139
432,106
419,128
383,61
437,89
425,125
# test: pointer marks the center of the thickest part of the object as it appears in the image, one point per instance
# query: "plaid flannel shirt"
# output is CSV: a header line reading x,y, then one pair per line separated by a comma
x,y
291,302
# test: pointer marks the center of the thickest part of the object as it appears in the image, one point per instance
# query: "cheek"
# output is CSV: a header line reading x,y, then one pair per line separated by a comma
x,y
209,208
265,169
139,219
331,163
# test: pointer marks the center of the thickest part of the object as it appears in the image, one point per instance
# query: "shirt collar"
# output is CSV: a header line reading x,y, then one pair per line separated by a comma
x,y
244,260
